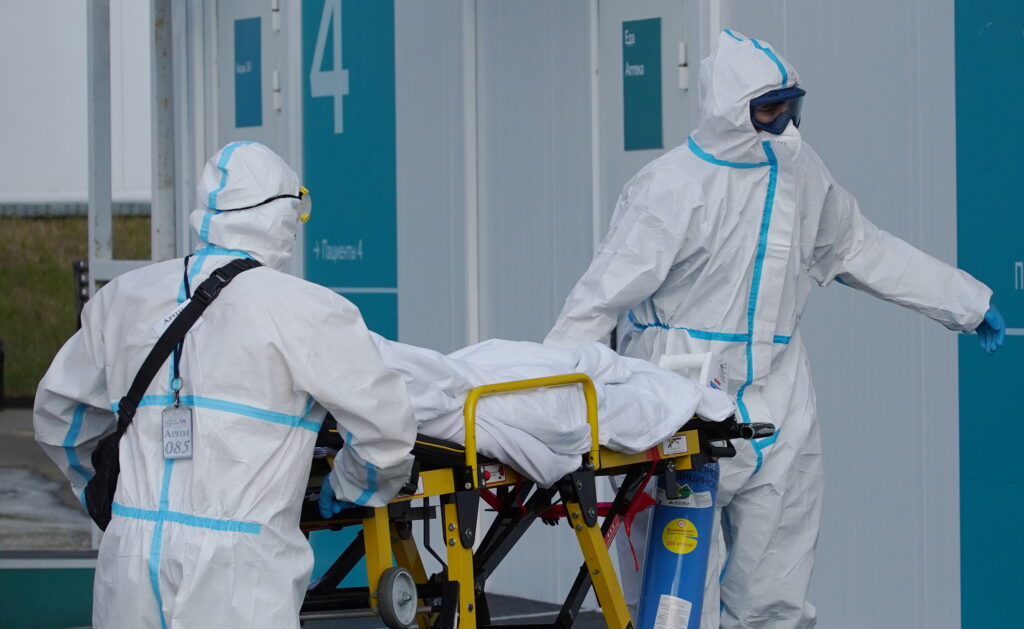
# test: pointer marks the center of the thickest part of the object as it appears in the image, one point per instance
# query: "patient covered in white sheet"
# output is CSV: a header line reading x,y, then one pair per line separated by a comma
x,y
543,432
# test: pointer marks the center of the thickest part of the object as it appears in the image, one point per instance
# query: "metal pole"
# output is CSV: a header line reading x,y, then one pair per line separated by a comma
x,y
187,31
597,223
98,38
163,209
714,23
470,169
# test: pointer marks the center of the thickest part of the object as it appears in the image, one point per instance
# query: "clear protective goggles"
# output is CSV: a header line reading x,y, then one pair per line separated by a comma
x,y
772,112
305,203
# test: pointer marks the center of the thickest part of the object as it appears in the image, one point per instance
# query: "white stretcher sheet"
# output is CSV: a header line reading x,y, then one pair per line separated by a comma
x,y
543,432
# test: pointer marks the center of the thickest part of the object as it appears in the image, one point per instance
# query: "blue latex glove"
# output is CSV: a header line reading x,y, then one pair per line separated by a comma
x,y
992,331
329,505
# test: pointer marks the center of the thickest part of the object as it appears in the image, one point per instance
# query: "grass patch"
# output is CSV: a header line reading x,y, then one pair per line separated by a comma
x,y
37,307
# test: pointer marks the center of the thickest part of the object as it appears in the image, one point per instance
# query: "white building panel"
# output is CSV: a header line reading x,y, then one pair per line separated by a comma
x,y
879,110
43,45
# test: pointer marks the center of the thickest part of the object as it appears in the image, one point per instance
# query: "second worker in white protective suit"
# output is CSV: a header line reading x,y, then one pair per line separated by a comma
x,y
214,540
713,247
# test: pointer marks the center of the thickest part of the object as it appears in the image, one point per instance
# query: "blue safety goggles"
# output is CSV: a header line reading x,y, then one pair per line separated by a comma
x,y
772,112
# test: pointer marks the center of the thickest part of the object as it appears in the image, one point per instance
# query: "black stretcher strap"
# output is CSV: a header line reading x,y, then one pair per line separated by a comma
x,y
435,453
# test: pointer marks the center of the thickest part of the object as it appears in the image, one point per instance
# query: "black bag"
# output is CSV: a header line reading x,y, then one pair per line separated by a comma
x,y
99,491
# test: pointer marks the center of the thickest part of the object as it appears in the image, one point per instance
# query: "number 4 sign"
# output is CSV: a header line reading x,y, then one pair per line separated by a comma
x,y
333,82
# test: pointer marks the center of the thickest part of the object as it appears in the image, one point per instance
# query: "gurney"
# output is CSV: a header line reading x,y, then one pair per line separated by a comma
x,y
447,484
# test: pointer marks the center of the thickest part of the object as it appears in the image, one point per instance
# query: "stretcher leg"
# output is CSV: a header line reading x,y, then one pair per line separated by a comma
x,y
602,573
377,536
460,564
579,495
408,556
632,483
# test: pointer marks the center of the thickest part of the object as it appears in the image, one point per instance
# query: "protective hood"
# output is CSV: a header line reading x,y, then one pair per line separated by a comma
x,y
739,70
247,193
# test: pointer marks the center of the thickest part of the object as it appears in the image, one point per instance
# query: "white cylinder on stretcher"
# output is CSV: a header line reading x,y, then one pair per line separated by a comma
x,y
678,547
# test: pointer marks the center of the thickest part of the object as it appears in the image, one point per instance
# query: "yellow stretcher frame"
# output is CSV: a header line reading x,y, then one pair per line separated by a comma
x,y
382,541
589,395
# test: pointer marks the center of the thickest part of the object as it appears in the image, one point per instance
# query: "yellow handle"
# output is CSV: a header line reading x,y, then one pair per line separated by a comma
x,y
589,395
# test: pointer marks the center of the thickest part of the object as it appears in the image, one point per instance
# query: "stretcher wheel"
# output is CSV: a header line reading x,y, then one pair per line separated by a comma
x,y
396,594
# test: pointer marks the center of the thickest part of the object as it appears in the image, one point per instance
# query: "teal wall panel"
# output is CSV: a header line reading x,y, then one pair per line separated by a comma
x,y
328,546
379,310
348,154
990,88
990,245
990,483
348,138
46,598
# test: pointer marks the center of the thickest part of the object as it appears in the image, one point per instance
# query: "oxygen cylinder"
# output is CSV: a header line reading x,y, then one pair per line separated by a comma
x,y
678,546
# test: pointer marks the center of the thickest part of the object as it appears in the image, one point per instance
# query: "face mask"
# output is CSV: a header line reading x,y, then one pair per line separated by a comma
x,y
789,140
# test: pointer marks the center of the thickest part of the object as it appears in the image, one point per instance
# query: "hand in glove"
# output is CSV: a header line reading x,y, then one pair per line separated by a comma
x,y
992,330
329,505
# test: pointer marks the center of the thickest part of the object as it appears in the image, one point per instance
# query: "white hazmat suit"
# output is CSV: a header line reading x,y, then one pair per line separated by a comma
x,y
214,541
712,247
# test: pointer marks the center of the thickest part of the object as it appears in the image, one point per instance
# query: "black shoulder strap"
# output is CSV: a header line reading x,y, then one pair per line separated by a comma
x,y
202,296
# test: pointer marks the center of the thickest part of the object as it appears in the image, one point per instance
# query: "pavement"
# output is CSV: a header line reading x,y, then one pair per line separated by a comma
x,y
505,610
37,509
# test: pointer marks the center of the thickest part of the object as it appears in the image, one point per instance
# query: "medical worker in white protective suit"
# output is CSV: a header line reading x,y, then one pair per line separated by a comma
x,y
214,541
713,247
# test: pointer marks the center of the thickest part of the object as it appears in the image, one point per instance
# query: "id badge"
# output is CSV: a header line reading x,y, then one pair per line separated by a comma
x,y
177,430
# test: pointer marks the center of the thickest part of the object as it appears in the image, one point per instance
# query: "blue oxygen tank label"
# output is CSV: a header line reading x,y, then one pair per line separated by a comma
x,y
678,546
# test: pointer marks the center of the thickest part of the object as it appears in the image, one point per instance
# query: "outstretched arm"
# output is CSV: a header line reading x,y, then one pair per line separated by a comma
x,y
851,248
